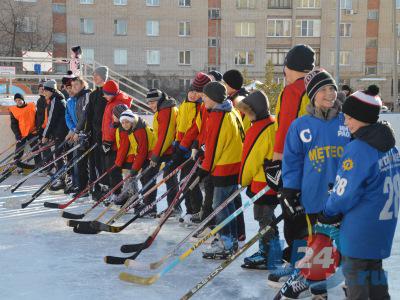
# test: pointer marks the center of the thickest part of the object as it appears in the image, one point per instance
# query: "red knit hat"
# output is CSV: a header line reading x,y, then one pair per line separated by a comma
x,y
200,81
111,88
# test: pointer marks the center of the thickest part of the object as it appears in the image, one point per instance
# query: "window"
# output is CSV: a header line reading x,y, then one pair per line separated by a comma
x,y
120,2
246,4
120,27
86,1
398,29
279,3
245,29
311,28
346,4
88,55
153,57
26,24
87,26
344,58
153,28
153,83
184,28
25,0
214,14
277,56
244,58
310,3
213,42
184,3
279,28
120,56
153,2
184,57
345,29
398,4
398,57
372,43
184,84
373,15
370,70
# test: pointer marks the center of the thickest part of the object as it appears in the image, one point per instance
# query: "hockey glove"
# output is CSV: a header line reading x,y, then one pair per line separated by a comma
x,y
273,174
334,220
106,147
180,155
290,202
201,174
133,173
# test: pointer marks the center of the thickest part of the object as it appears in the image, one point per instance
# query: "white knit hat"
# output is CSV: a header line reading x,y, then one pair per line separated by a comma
x,y
127,115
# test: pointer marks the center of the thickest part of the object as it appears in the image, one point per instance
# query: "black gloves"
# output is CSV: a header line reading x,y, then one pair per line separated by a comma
x,y
106,147
290,202
273,174
180,155
133,173
334,220
201,174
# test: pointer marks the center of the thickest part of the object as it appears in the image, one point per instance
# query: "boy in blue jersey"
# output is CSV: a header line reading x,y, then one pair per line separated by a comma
x,y
313,147
365,198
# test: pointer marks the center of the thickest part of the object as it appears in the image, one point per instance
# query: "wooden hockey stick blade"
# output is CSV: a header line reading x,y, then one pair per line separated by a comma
x,y
140,280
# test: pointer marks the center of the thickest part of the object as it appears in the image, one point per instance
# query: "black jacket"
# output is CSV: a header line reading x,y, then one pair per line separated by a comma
x,y
40,113
56,126
95,112
81,108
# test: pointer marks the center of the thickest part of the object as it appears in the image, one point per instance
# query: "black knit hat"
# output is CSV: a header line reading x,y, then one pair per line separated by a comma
x,y
119,109
234,79
216,91
316,80
217,75
364,105
256,105
19,96
153,95
300,58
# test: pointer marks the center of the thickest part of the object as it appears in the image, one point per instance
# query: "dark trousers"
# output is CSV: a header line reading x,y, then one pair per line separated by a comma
x,y
171,183
115,176
241,228
96,166
60,163
82,168
365,279
149,176
208,198
193,198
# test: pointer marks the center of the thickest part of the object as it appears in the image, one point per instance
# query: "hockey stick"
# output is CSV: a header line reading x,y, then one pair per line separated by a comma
x,y
16,185
88,187
227,262
200,227
58,174
18,150
147,243
8,148
152,279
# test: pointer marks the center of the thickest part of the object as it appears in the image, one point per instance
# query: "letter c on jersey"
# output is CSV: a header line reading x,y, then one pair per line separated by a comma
x,y
305,135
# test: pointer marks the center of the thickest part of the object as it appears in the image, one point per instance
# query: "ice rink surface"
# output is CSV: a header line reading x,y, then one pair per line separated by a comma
x,y
42,258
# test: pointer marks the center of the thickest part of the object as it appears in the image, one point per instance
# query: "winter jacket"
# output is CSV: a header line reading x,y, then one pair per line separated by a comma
x,y
194,137
95,112
81,109
258,147
164,126
186,116
134,146
41,114
108,129
292,103
56,126
366,193
223,145
237,97
23,120
313,149
70,114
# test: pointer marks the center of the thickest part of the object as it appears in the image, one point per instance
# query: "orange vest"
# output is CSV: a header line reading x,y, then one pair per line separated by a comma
x,y
25,117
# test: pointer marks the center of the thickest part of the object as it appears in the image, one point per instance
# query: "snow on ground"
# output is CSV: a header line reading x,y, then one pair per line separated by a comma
x,y
42,258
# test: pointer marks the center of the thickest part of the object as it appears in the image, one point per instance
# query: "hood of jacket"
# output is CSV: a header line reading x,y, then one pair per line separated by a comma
x,y
166,102
379,135
325,115
225,106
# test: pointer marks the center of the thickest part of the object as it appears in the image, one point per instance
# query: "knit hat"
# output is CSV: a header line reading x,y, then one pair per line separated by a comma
x,y
217,75
102,71
364,105
119,109
255,105
316,80
153,95
199,82
234,79
50,85
127,115
111,88
18,96
66,80
300,58
216,91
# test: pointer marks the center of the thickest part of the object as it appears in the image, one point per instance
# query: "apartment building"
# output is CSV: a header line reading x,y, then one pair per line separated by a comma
x,y
162,43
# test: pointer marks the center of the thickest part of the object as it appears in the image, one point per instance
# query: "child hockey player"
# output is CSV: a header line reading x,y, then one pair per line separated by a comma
x,y
222,155
365,198
314,145
164,126
258,147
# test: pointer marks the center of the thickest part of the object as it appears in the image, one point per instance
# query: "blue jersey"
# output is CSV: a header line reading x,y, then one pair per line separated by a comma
x,y
313,148
366,193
